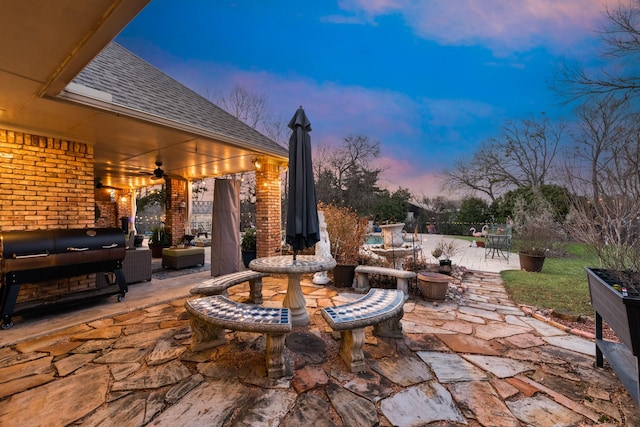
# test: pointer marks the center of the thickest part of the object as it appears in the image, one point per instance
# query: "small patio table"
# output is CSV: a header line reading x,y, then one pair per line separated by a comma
x,y
284,264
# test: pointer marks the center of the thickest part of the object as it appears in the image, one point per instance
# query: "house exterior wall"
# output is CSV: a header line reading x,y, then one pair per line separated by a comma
x,y
46,183
268,208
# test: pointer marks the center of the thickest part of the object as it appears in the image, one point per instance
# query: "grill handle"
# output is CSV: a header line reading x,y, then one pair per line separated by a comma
x,y
77,249
113,245
30,256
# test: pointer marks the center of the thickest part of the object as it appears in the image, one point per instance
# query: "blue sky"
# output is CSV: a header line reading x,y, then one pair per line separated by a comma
x,y
429,79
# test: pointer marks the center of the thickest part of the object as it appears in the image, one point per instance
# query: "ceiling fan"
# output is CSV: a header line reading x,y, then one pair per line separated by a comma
x,y
158,172
97,183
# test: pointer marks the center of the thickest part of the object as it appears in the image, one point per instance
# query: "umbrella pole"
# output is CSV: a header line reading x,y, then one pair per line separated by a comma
x,y
295,252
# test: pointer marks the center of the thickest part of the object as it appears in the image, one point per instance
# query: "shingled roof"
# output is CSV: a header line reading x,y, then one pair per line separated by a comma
x,y
137,85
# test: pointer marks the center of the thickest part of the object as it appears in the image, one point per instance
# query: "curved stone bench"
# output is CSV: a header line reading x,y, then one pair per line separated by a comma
x,y
380,307
219,285
210,316
402,277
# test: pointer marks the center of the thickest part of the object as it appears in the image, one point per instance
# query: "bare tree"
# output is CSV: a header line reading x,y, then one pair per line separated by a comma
x,y
356,152
530,148
252,109
249,107
472,177
278,131
343,170
621,34
604,177
524,155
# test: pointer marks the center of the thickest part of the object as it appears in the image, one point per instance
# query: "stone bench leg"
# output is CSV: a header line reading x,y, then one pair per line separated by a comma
x,y
276,367
391,328
255,287
362,283
205,335
403,285
351,349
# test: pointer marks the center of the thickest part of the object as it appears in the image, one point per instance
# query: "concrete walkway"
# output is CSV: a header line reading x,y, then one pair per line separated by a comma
x,y
471,257
479,361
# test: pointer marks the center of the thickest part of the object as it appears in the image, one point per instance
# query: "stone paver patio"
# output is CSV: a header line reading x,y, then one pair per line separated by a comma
x,y
482,362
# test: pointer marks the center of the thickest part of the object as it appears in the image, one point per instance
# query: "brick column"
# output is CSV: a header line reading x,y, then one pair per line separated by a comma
x,y
268,201
175,204
123,204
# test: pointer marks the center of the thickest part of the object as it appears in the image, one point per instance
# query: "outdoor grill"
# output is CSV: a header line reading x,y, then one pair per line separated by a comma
x,y
615,296
42,255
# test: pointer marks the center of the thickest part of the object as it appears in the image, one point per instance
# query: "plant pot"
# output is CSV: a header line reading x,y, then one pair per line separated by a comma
x,y
247,257
445,266
343,275
531,263
433,286
156,249
137,240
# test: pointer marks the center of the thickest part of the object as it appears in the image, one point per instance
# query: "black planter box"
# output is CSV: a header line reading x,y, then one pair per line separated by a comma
x,y
621,310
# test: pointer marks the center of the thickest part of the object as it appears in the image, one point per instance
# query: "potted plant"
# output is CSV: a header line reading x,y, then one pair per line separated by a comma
x,y
433,286
347,233
536,231
248,246
160,238
447,249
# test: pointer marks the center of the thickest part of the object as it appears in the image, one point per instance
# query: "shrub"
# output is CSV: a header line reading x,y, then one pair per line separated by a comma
x,y
346,231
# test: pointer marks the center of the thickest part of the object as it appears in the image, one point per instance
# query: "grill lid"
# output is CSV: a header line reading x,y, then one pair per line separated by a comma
x,y
42,243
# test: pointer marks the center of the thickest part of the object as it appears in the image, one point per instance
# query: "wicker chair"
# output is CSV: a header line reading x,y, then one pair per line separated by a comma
x,y
136,267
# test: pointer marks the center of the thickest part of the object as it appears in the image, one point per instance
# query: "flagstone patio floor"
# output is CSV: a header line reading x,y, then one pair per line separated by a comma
x,y
479,362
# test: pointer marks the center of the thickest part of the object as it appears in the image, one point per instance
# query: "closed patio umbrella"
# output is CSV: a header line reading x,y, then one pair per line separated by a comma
x,y
303,229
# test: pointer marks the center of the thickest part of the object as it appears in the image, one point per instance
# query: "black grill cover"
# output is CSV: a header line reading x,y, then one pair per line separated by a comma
x,y
21,250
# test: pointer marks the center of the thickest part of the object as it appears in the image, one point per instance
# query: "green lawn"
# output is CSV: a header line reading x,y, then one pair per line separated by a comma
x,y
562,284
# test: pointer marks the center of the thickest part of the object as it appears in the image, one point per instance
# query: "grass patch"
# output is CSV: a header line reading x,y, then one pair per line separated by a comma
x,y
562,284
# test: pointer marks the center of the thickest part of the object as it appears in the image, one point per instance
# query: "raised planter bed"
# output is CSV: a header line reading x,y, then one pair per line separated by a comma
x,y
615,296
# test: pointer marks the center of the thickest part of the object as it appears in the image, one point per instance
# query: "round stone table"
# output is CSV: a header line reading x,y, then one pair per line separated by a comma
x,y
284,264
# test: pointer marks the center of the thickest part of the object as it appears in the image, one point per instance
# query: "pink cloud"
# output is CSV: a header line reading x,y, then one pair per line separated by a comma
x,y
408,129
401,173
504,26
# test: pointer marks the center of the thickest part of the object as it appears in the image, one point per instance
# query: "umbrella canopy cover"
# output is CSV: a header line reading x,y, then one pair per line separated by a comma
x,y
303,229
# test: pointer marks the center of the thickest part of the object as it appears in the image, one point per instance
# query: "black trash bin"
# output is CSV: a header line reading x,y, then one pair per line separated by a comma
x,y
124,221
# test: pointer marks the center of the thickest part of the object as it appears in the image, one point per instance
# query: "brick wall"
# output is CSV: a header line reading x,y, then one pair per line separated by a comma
x,y
107,208
268,217
176,219
112,207
46,183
